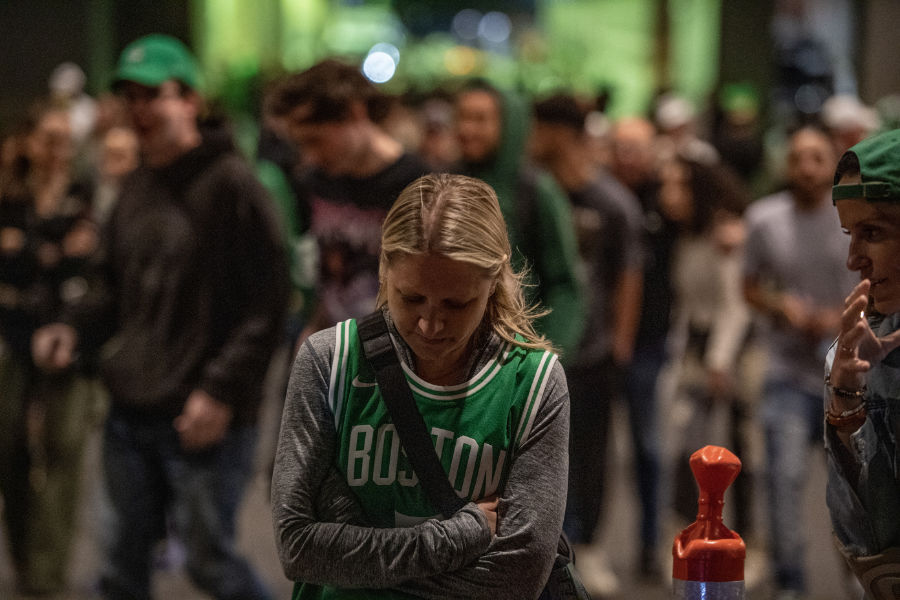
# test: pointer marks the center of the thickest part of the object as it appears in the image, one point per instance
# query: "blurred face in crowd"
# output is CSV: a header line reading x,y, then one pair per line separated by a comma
x,y
633,156
164,119
675,194
810,165
335,147
874,230
548,140
49,145
437,304
479,123
120,152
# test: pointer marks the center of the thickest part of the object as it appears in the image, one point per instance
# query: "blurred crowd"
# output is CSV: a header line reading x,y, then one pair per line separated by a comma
x,y
671,250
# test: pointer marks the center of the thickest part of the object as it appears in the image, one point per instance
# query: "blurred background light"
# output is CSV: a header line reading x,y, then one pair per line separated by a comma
x,y
809,98
461,60
495,27
389,49
466,24
381,63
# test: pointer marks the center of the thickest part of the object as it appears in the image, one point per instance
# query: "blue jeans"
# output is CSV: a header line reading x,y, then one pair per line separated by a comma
x,y
793,423
150,478
641,398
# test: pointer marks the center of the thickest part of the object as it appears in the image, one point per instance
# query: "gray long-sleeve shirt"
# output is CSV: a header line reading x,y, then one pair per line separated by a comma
x,y
319,528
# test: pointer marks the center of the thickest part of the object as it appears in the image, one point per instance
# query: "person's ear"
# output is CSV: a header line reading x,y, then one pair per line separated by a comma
x,y
197,103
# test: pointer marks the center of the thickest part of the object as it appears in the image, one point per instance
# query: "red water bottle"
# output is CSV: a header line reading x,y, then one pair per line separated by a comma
x,y
708,557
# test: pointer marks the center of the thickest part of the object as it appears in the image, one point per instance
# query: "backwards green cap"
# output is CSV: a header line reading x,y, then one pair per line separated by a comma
x,y
155,59
879,167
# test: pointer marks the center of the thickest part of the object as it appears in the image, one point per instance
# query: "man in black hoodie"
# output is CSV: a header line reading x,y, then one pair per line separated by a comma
x,y
187,305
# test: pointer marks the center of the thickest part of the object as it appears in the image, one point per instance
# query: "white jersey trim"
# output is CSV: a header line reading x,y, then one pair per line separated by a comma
x,y
535,397
441,392
338,379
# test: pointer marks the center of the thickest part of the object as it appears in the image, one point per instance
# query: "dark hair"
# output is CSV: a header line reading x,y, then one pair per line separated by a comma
x,y
811,123
36,111
13,177
184,90
848,165
561,109
715,189
328,88
480,84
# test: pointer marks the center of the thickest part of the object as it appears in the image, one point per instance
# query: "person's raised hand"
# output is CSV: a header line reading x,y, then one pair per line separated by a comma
x,y
203,421
858,348
53,347
870,348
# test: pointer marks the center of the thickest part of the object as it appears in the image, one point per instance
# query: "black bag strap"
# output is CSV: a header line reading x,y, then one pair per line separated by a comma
x,y
379,351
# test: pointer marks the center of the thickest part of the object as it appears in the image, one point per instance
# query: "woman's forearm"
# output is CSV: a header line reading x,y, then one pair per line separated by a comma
x,y
519,559
305,496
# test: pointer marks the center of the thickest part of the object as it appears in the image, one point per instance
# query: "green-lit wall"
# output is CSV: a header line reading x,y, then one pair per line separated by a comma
x,y
633,47
613,43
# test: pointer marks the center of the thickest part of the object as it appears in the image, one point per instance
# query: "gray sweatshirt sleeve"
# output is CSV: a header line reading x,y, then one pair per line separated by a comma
x,y
519,559
316,519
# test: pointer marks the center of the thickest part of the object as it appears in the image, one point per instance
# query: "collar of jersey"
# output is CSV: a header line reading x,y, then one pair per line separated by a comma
x,y
460,390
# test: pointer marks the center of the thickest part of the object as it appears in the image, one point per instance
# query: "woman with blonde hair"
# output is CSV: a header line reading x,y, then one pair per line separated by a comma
x,y
352,519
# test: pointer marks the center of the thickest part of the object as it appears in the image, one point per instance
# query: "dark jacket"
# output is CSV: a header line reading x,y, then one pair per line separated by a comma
x,y
192,285
34,290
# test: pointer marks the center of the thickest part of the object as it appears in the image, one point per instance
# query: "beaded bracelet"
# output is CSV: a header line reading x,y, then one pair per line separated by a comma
x,y
842,393
849,420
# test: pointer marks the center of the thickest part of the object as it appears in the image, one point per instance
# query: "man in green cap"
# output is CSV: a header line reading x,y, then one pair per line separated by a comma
x,y
862,397
188,307
159,80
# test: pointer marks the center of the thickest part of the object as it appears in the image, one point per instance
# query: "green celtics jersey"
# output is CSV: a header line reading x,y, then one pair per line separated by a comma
x,y
476,427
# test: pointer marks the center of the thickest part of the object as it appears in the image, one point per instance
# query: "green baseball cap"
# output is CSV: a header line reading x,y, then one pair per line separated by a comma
x,y
155,59
879,169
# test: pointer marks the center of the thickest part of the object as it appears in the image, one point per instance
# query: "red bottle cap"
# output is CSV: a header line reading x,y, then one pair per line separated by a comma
x,y
707,550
